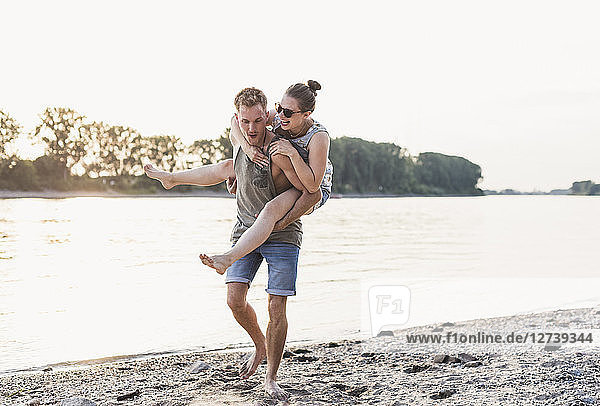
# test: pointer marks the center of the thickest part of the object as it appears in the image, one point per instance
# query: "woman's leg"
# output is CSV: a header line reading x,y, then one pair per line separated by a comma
x,y
288,207
206,175
303,205
257,234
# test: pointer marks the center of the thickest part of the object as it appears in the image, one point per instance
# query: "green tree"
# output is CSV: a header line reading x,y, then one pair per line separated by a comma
x,y
60,131
164,151
123,151
98,158
368,167
583,187
50,172
224,148
205,152
444,174
9,131
23,175
112,150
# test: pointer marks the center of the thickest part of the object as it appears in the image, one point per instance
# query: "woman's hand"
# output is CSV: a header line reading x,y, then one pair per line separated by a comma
x,y
256,155
283,147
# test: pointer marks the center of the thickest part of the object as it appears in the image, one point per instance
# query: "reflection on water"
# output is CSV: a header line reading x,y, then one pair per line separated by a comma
x,y
86,278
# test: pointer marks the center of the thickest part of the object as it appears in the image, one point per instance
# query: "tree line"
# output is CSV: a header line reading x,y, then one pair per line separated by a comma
x,y
80,154
585,187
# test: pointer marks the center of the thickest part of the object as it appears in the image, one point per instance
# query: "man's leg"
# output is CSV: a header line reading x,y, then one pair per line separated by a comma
x,y
206,175
283,269
276,335
246,317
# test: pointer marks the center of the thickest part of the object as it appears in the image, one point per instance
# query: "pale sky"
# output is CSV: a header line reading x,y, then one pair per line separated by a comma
x,y
513,86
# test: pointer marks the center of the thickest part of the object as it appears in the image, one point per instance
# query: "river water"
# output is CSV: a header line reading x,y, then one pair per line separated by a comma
x,y
86,278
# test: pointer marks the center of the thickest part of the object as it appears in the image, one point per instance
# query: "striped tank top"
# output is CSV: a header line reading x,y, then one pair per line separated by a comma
x,y
302,142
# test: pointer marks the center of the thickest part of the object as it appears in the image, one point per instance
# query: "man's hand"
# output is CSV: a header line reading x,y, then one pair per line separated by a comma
x,y
283,147
232,185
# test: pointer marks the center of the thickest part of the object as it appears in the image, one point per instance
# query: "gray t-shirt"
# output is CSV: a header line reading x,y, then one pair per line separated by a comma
x,y
254,189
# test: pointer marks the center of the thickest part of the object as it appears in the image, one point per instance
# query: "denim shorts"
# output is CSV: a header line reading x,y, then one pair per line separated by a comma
x,y
282,261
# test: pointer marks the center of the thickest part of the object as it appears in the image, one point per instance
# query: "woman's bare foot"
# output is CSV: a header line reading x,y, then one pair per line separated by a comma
x,y
220,263
274,391
250,365
166,178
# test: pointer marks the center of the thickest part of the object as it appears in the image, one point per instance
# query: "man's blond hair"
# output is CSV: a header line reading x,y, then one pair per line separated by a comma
x,y
250,97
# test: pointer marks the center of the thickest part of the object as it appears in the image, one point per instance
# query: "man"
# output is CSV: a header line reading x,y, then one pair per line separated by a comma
x,y
256,186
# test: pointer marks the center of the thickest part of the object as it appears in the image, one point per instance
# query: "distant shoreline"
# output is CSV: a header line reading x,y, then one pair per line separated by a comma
x,y
56,194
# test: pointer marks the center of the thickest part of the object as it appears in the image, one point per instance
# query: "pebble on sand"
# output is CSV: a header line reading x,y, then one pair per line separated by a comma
x,y
443,394
198,366
128,396
77,402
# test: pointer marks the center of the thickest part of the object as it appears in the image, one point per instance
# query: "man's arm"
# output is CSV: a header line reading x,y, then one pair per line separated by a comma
x,y
311,174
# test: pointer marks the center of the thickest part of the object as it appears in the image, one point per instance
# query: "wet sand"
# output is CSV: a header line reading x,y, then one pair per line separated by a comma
x,y
378,371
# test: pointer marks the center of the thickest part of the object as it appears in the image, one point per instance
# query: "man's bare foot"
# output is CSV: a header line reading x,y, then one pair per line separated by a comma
x,y
220,263
162,176
273,390
250,365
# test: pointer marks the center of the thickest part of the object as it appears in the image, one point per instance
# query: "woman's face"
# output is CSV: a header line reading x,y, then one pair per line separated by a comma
x,y
297,120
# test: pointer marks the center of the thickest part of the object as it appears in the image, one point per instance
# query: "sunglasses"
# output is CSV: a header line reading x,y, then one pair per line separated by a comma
x,y
286,112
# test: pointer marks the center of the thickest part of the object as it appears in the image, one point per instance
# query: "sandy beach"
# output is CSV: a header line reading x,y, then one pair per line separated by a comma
x,y
384,370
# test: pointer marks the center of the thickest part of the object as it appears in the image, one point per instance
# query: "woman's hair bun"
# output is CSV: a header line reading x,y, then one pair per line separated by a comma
x,y
314,86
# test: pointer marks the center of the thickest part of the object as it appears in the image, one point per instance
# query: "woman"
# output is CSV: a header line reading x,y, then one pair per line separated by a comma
x,y
301,149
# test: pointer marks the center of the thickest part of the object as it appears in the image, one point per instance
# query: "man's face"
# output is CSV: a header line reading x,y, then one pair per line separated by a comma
x,y
253,121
